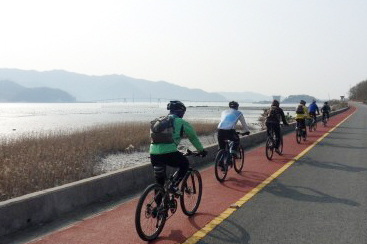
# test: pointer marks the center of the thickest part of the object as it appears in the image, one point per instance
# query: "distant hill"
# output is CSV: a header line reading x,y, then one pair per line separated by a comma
x,y
298,98
108,87
245,96
13,92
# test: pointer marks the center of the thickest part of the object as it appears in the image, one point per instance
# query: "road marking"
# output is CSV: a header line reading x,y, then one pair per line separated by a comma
x,y
219,219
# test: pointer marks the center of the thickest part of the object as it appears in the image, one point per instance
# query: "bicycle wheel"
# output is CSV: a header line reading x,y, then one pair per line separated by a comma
x,y
239,162
221,165
150,215
192,189
281,146
298,135
269,148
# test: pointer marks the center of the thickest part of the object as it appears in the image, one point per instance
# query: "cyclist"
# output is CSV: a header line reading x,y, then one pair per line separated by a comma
x,y
325,110
275,114
301,115
166,153
312,109
227,127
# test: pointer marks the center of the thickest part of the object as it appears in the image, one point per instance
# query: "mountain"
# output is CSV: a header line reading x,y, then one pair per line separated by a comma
x,y
13,92
107,87
245,96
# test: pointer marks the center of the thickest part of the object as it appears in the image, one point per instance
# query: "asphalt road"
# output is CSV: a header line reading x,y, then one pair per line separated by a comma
x,y
322,198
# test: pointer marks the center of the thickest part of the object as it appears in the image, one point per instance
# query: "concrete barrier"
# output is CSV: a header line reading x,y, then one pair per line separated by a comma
x,y
44,206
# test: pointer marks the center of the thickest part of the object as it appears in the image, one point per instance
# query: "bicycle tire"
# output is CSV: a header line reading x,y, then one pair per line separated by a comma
x,y
298,136
221,166
281,146
191,185
158,218
269,148
239,162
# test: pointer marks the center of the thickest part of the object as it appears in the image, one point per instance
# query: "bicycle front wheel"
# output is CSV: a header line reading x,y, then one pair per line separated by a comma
x,y
150,215
192,189
221,165
269,148
239,162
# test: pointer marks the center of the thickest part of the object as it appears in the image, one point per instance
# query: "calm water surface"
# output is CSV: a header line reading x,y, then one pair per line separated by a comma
x,y
25,118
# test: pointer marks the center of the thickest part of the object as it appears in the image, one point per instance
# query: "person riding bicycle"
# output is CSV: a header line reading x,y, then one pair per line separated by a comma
x,y
325,110
302,115
163,148
275,114
312,109
227,127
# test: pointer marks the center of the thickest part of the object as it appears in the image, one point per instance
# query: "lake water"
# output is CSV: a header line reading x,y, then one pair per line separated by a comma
x,y
19,118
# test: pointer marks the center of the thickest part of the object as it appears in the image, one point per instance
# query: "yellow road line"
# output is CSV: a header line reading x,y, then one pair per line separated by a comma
x,y
219,219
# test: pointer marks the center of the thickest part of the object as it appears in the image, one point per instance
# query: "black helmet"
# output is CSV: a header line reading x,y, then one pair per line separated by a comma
x,y
275,103
303,102
176,106
233,104
325,103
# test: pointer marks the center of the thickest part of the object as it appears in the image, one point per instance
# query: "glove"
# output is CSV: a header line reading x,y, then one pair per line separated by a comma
x,y
203,153
247,133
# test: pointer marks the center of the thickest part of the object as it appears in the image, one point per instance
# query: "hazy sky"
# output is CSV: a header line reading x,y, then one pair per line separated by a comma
x,y
315,47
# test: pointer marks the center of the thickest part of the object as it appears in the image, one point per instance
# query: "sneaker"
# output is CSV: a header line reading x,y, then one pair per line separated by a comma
x,y
175,191
277,151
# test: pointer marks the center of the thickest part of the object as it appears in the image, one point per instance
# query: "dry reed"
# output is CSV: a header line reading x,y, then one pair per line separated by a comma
x,y
36,162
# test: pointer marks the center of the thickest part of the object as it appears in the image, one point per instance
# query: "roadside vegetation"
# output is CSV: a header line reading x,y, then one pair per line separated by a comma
x,y
359,92
39,161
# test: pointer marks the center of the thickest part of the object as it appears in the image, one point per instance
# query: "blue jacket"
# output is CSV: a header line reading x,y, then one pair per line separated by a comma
x,y
313,108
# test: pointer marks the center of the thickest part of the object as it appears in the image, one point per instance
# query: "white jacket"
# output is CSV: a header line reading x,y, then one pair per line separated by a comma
x,y
229,120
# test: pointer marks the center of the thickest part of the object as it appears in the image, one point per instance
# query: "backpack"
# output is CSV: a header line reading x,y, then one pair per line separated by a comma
x,y
161,130
300,110
273,113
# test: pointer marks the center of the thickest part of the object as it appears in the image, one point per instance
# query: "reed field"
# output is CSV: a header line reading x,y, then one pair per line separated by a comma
x,y
39,161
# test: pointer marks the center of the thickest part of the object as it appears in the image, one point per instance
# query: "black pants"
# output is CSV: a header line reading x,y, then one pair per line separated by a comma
x,y
276,128
175,160
301,123
228,135
325,114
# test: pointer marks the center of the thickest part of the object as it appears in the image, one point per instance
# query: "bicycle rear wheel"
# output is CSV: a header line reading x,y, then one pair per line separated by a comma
x,y
221,165
192,189
298,135
280,146
150,215
239,162
269,148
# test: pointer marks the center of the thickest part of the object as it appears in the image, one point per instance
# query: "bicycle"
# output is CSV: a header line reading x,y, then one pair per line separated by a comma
x,y
301,132
225,160
313,124
158,203
271,142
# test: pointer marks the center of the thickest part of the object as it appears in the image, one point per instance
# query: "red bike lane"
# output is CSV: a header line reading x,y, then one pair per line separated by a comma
x,y
116,226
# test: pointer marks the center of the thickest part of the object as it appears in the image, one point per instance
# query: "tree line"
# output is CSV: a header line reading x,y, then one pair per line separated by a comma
x,y
359,91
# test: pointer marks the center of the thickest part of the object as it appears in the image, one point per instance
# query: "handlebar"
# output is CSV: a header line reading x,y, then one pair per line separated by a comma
x,y
241,133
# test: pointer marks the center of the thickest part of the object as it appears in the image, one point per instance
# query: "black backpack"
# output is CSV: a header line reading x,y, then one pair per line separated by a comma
x,y
273,113
300,110
161,130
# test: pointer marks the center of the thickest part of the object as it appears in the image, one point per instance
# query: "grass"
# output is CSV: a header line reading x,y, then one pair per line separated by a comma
x,y
39,161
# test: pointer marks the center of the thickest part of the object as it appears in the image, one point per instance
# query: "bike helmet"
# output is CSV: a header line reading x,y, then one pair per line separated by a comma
x,y
275,103
314,100
303,102
233,104
325,103
177,108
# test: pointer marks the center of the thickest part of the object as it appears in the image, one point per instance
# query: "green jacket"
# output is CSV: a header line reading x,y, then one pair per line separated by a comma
x,y
180,127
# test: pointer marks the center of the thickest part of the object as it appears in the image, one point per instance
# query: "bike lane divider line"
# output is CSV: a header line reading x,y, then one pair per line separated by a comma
x,y
219,219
